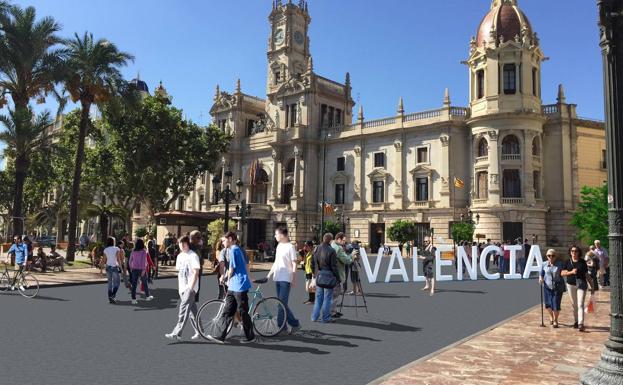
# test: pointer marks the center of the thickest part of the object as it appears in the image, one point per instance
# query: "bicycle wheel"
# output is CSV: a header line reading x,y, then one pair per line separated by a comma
x,y
5,282
208,318
28,285
265,317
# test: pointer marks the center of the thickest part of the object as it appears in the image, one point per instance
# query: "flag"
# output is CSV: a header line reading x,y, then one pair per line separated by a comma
x,y
254,172
458,183
329,209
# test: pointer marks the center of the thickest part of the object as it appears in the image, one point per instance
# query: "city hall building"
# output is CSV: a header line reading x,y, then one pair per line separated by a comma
x,y
507,161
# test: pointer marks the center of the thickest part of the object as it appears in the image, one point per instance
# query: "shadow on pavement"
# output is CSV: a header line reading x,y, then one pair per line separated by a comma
x,y
163,299
264,345
389,326
381,295
460,291
315,338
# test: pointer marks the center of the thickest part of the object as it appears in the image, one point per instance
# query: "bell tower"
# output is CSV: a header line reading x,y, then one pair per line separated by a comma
x,y
288,44
505,62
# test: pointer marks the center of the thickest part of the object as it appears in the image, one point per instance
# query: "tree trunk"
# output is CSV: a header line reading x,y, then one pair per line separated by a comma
x,y
75,188
21,166
103,228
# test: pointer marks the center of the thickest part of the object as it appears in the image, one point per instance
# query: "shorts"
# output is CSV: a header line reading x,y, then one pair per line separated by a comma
x,y
354,276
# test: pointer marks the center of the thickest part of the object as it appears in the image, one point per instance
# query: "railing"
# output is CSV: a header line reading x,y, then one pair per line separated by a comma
x,y
482,159
421,204
379,122
512,201
591,119
550,109
459,111
480,201
511,156
422,115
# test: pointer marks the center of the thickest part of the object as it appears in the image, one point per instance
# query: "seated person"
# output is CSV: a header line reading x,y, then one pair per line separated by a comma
x,y
55,259
40,260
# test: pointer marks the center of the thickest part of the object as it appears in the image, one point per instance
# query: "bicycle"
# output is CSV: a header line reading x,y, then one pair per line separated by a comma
x,y
264,312
26,283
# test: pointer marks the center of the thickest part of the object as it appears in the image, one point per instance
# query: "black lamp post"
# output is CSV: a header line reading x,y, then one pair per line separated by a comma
x,y
227,195
243,212
325,136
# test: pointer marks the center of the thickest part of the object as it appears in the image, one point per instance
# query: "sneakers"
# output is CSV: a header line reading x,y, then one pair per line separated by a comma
x,y
195,336
251,341
22,288
173,337
149,298
581,328
575,325
112,300
293,329
308,302
134,302
215,340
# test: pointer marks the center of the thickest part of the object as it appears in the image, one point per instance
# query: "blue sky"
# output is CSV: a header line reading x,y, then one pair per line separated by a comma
x,y
392,48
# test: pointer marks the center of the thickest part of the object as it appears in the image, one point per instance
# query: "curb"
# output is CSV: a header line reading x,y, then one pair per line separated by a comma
x,y
427,357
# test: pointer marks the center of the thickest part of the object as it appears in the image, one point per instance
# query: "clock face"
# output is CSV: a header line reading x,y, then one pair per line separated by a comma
x,y
298,37
279,35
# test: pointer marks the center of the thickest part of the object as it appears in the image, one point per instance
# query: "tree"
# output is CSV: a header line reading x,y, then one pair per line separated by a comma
x,y
92,78
29,68
401,231
215,231
332,227
22,136
591,218
105,212
463,231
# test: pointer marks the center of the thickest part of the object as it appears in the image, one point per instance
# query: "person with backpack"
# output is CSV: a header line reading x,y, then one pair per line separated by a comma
x,y
553,286
326,277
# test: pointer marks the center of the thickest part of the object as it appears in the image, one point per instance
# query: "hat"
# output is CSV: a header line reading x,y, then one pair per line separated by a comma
x,y
551,252
309,243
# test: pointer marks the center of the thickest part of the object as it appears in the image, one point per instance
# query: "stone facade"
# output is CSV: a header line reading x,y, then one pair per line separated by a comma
x,y
522,163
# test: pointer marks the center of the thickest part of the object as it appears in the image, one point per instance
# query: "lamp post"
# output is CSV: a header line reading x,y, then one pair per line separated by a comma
x,y
227,195
609,370
243,211
325,136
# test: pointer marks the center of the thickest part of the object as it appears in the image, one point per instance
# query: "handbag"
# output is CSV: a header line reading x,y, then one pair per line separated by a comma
x,y
559,283
326,279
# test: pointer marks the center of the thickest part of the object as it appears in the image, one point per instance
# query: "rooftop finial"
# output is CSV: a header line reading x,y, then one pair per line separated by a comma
x,y
561,99
238,86
347,81
360,114
310,64
401,107
218,92
446,98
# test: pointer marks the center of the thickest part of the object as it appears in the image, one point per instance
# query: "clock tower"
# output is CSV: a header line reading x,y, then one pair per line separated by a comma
x,y
288,44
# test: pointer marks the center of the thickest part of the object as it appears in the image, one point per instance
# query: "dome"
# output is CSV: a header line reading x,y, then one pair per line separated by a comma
x,y
507,20
140,85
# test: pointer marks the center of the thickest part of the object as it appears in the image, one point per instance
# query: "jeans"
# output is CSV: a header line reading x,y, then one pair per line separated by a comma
x,y
188,309
112,273
502,265
134,282
337,290
578,297
283,293
324,297
236,301
522,265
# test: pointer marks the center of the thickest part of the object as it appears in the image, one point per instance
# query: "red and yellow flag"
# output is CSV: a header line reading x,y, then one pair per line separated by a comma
x,y
458,183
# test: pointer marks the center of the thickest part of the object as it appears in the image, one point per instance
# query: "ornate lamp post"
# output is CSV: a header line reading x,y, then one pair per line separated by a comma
x,y
243,212
227,195
609,370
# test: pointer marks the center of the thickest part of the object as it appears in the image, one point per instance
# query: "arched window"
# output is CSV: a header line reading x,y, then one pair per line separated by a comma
x,y
510,145
536,148
483,147
290,166
260,188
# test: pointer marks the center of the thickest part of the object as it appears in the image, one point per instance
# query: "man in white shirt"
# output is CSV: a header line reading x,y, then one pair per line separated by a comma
x,y
187,264
283,273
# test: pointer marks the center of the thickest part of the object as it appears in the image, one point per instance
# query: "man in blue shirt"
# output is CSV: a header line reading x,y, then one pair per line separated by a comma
x,y
20,250
237,298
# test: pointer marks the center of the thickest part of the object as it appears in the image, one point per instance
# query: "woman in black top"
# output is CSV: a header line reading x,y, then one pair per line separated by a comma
x,y
576,272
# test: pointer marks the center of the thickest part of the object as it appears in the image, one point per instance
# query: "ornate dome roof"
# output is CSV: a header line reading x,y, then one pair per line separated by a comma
x,y
504,21
140,85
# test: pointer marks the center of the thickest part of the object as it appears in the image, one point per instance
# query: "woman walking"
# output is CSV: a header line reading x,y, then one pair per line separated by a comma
x,y
114,262
139,267
553,286
326,274
576,272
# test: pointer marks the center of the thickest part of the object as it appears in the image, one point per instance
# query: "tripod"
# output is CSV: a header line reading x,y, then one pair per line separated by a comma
x,y
357,285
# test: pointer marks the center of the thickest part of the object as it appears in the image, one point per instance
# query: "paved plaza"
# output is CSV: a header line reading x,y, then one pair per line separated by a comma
x,y
71,335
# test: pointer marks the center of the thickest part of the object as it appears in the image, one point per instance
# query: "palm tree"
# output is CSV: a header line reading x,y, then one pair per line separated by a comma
x,y
23,136
105,212
92,78
29,67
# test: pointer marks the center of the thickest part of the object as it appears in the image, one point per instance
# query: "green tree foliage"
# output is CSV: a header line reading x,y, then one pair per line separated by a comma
x,y
401,231
463,231
591,218
215,231
332,227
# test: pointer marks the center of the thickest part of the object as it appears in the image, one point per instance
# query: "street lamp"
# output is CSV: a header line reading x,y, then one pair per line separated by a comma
x,y
227,195
243,212
325,136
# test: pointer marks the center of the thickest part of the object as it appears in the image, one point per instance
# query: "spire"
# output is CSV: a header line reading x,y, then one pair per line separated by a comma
x,y
561,99
310,64
360,114
218,92
446,98
401,107
347,81
238,86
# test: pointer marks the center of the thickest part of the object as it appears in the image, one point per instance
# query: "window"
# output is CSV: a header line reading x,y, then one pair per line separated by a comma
x,y
422,155
534,82
339,194
338,117
379,159
604,160
181,203
137,208
323,115
511,184
202,199
510,79
480,84
331,114
510,145
536,182
260,188
250,127
421,189
291,112
482,180
222,124
277,77
378,192
290,166
341,163
483,147
286,193
536,149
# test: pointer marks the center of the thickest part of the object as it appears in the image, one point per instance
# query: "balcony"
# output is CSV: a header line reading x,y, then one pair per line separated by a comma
x,y
482,159
480,201
511,156
512,201
421,204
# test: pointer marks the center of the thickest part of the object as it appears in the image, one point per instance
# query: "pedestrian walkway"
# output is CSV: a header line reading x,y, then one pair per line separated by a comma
x,y
517,351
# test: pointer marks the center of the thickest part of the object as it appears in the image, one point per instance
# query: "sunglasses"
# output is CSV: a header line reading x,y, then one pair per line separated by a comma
x,y
575,251
550,255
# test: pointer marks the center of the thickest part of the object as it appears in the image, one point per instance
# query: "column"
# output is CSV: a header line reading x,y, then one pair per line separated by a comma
x,y
447,181
494,169
275,177
398,164
610,369
297,159
357,187
528,176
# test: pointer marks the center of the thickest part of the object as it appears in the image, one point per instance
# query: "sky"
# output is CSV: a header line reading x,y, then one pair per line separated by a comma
x,y
392,48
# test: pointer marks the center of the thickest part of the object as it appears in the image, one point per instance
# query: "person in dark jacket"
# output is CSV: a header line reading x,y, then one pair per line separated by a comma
x,y
324,268
576,272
